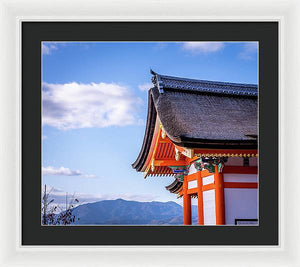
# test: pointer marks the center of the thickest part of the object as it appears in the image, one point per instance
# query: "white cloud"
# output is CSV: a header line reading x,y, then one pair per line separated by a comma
x,y
48,48
59,196
77,105
44,137
250,50
203,47
62,171
145,86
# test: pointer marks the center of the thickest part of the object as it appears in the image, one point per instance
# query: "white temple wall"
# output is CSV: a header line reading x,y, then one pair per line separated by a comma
x,y
235,161
208,180
253,161
240,178
209,207
192,184
239,161
240,203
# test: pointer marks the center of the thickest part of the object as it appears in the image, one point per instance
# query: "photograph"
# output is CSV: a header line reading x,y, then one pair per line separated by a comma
x,y
150,133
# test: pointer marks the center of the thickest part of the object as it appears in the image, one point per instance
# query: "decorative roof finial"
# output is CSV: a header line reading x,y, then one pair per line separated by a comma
x,y
152,72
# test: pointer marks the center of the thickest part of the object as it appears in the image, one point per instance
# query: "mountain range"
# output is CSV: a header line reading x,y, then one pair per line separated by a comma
x,y
123,212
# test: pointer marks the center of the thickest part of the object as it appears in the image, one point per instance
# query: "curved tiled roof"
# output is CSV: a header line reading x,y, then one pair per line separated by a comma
x,y
202,114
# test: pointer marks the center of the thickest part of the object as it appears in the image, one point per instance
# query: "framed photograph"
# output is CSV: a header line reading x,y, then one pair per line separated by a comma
x,y
138,138
205,127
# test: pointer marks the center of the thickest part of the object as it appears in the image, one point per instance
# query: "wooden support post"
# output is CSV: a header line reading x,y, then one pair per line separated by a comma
x,y
219,197
187,213
200,199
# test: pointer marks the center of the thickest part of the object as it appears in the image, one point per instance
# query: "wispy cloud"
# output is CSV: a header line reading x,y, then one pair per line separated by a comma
x,y
203,47
77,105
85,45
62,171
48,48
44,137
145,86
249,52
59,196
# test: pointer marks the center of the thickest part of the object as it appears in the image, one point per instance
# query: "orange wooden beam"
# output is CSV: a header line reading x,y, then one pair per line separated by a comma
x,y
165,141
200,199
240,185
154,142
208,187
188,160
205,173
187,212
169,162
240,169
192,177
219,198
192,191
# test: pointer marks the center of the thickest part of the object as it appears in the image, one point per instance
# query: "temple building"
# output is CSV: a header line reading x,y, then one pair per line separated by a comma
x,y
205,134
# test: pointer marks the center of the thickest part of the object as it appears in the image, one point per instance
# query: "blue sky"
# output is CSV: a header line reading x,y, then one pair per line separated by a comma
x,y
95,106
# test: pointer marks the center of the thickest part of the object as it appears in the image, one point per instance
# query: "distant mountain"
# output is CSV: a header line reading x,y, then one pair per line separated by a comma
x,y
123,212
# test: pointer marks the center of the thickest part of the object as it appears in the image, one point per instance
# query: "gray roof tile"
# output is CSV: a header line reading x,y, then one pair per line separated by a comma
x,y
202,86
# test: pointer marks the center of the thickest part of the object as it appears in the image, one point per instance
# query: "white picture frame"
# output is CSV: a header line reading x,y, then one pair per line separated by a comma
x,y
13,12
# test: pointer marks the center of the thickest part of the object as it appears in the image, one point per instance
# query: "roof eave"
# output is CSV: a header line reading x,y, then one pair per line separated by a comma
x,y
151,120
215,144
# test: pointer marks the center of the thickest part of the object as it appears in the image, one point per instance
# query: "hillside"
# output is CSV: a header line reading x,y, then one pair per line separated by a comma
x,y
123,212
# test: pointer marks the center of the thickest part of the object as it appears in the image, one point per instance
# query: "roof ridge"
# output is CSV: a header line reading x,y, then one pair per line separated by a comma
x,y
200,80
172,82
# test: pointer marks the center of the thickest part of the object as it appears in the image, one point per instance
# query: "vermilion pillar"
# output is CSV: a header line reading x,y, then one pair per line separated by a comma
x,y
219,197
187,214
200,199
